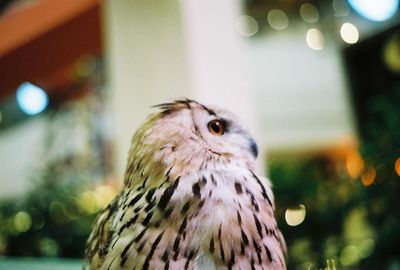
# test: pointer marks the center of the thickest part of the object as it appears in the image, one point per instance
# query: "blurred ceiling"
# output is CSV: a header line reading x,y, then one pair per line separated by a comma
x,y
44,40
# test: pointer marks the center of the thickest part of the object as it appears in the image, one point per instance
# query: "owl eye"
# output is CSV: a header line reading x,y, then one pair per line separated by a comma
x,y
216,127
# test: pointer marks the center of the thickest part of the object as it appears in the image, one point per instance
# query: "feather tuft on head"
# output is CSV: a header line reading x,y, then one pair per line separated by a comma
x,y
178,104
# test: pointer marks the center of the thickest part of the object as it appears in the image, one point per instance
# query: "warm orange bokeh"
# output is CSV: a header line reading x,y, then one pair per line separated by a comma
x,y
368,177
354,164
397,166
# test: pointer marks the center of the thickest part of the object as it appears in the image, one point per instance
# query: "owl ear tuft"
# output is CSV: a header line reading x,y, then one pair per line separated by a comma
x,y
176,105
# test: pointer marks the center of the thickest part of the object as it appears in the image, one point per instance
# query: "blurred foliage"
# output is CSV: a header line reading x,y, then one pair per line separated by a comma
x,y
55,216
52,219
354,222
381,149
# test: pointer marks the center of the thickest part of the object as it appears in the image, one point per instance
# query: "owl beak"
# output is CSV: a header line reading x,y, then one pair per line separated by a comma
x,y
253,147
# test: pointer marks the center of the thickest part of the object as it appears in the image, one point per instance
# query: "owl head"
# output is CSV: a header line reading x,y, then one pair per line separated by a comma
x,y
184,136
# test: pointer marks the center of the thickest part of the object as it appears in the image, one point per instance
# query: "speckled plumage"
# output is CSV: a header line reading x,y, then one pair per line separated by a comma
x,y
191,199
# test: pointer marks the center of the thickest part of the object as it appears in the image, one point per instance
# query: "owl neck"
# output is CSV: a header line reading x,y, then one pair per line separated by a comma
x,y
171,162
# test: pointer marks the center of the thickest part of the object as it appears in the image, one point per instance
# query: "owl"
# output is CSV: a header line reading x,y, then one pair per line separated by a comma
x,y
191,198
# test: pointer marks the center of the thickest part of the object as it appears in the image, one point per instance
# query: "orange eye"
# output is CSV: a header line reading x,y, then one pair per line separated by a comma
x,y
216,127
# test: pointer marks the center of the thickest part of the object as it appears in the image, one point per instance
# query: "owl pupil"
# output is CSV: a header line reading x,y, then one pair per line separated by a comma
x,y
216,127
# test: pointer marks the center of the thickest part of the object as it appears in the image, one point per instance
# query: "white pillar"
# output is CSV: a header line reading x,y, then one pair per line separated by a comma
x,y
145,63
215,53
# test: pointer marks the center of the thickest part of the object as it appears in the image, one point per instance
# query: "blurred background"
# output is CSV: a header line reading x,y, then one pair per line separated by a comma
x,y
317,82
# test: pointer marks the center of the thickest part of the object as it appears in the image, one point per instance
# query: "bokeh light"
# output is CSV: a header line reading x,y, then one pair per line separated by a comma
x,y
368,177
91,201
22,221
391,53
366,247
349,33
375,10
354,164
31,98
87,202
104,194
315,39
309,13
397,166
246,25
277,19
295,215
349,255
